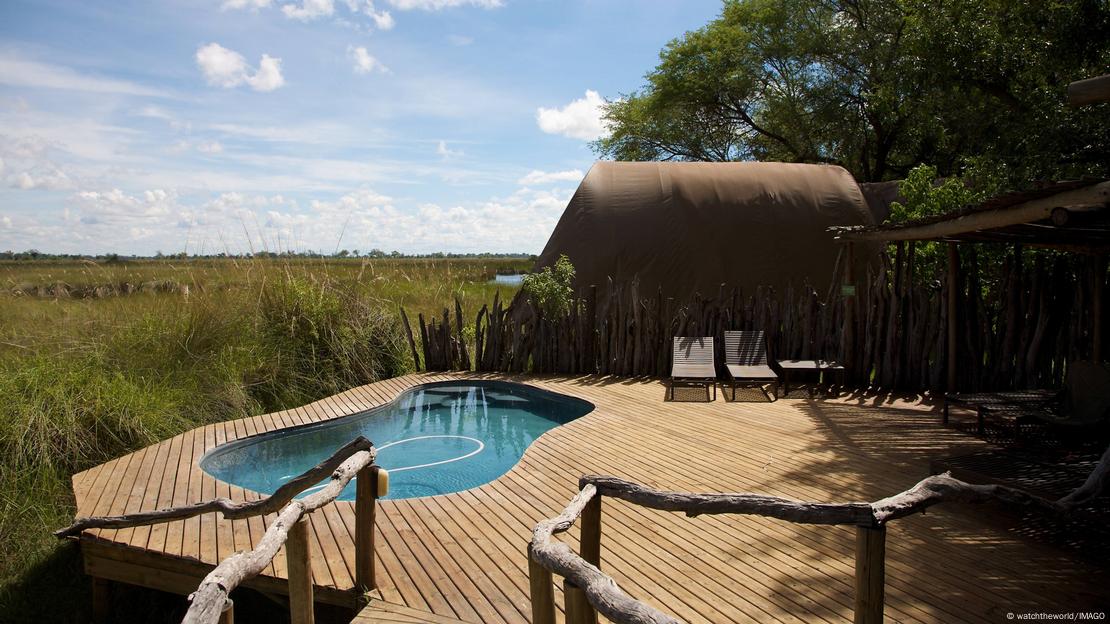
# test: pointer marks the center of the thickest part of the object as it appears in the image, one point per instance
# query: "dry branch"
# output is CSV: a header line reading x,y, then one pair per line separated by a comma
x,y
207,602
601,590
609,600
231,510
749,504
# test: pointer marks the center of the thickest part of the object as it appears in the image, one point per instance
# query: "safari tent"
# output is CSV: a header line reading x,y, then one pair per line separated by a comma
x,y
689,227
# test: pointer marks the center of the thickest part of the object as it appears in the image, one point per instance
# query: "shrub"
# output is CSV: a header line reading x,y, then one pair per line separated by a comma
x,y
551,290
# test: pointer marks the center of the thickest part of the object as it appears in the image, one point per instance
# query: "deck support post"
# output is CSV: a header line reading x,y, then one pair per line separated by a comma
x,y
101,599
590,546
1096,307
578,609
541,591
299,564
366,506
870,574
952,325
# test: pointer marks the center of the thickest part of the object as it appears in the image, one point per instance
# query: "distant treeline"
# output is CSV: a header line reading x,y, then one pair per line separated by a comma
x,y
34,254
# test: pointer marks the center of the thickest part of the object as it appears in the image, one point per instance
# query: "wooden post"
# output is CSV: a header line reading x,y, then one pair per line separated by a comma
x,y
848,344
1096,308
870,574
590,547
228,615
542,592
578,609
101,599
299,565
953,326
366,507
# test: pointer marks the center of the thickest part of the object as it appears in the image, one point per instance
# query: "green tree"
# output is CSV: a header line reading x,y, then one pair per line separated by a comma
x,y
551,289
876,86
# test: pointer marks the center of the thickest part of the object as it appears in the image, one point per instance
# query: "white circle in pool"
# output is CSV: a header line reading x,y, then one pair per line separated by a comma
x,y
481,447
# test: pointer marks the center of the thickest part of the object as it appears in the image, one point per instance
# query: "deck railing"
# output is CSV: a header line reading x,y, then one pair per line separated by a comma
x,y
211,602
587,591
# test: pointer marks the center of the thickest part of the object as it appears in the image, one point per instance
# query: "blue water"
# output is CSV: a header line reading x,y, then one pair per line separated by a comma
x,y
514,279
433,439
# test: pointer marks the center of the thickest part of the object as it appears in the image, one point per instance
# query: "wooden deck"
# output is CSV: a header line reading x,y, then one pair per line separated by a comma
x,y
461,556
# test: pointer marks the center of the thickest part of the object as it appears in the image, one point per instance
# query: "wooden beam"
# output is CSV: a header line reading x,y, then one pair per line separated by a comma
x,y
366,503
298,560
590,547
577,608
1089,91
101,600
953,310
1099,263
541,591
870,574
1096,195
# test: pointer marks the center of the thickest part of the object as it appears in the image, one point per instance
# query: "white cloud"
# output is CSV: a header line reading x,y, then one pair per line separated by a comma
x,y
460,40
28,163
227,68
7,221
268,77
20,72
364,63
436,5
537,177
442,150
581,119
253,5
210,147
309,9
382,19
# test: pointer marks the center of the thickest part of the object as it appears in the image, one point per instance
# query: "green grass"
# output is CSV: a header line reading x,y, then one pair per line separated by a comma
x,y
85,380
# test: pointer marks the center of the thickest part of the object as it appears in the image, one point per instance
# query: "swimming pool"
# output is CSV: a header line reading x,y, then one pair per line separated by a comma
x,y
433,439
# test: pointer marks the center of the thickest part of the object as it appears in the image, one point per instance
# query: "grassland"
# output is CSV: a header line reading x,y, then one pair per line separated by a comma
x,y
163,346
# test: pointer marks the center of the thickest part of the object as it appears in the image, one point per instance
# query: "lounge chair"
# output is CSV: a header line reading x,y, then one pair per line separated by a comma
x,y
746,361
693,365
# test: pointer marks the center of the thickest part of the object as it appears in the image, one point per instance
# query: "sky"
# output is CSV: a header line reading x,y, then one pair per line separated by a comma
x,y
211,126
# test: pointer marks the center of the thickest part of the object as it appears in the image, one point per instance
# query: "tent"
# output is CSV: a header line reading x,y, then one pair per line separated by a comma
x,y
689,227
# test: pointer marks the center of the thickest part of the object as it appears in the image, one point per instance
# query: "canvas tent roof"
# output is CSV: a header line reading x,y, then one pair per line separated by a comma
x,y
689,227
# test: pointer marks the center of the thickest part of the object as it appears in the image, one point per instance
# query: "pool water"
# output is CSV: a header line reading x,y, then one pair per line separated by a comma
x,y
433,439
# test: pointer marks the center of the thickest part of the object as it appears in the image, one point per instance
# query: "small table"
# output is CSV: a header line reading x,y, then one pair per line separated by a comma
x,y
819,366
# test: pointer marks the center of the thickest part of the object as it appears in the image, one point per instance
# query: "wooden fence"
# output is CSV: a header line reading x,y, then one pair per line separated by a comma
x,y
888,328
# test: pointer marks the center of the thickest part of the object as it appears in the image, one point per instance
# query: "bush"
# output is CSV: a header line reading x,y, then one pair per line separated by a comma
x,y
551,290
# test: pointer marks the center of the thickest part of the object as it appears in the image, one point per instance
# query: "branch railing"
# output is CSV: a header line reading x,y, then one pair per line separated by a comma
x,y
211,602
587,591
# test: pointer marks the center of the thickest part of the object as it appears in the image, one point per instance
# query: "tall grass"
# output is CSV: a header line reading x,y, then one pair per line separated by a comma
x,y
84,381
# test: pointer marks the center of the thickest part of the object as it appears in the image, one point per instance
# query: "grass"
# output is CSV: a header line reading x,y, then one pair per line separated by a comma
x,y
85,380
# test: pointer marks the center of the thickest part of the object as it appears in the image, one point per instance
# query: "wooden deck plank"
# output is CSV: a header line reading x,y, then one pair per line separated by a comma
x,y
460,557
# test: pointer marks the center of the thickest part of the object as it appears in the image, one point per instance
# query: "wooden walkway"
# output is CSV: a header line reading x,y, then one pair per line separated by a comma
x,y
461,556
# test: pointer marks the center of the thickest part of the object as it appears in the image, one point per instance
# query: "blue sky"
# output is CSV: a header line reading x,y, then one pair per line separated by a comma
x,y
230,125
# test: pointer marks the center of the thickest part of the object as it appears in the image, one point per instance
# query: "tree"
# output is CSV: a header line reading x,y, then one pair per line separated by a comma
x,y
876,86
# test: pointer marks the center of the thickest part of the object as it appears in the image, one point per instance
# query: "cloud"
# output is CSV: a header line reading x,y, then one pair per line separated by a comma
x,y
19,72
537,177
268,77
253,5
460,40
436,5
210,147
309,9
441,150
28,163
581,119
364,62
227,68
